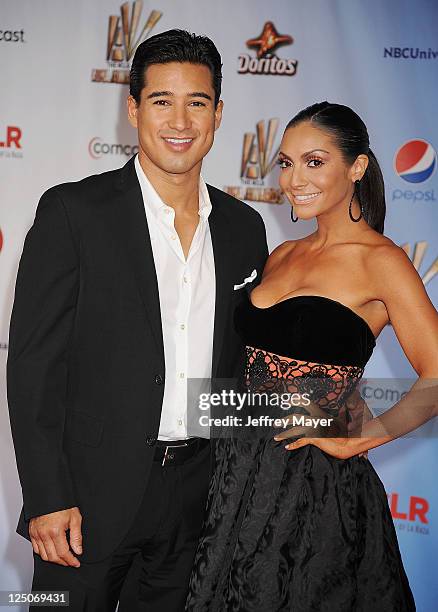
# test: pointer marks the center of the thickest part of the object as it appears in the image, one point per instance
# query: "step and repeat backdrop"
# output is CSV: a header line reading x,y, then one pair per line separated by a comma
x,y
64,69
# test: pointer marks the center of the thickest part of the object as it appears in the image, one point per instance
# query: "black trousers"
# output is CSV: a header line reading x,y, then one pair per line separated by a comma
x,y
150,568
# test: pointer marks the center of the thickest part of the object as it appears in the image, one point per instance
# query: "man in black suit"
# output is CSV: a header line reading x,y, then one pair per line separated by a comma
x,y
125,291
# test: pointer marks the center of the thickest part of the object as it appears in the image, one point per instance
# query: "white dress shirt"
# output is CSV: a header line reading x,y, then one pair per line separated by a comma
x,y
187,290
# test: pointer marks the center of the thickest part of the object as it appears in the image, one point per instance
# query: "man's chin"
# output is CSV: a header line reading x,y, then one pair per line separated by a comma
x,y
171,163
182,167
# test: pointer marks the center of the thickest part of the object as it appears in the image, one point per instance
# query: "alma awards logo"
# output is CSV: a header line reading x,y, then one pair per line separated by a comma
x,y
258,160
266,61
417,259
122,41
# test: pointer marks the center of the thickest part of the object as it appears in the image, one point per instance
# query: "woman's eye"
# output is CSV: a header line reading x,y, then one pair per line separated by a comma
x,y
316,163
283,163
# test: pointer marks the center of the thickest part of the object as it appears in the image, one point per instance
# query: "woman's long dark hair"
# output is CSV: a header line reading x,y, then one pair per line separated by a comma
x,y
351,136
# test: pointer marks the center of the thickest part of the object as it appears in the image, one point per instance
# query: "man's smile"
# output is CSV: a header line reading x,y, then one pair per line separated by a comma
x,y
178,144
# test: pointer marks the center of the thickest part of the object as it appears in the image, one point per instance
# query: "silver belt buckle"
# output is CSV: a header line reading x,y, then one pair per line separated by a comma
x,y
170,456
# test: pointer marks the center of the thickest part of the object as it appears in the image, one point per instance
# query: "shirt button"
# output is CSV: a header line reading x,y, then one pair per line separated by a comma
x,y
182,326
173,237
181,374
185,279
159,379
180,421
150,440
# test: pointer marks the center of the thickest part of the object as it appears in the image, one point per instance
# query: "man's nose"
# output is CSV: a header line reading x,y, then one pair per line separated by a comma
x,y
180,118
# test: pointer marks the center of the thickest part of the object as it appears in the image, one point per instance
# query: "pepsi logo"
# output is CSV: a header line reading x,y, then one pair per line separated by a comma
x,y
415,161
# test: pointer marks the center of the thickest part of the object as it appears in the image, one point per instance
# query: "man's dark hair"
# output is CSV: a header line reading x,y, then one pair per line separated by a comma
x,y
175,46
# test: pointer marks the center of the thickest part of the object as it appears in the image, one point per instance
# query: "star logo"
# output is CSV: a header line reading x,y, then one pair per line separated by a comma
x,y
269,40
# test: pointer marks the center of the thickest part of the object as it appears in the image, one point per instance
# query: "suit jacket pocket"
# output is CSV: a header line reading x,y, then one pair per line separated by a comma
x,y
84,428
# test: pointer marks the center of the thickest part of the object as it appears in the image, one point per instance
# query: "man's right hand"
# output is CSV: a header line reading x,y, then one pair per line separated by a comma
x,y
49,540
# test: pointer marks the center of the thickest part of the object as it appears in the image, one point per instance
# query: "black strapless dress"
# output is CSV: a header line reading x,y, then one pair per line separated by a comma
x,y
298,530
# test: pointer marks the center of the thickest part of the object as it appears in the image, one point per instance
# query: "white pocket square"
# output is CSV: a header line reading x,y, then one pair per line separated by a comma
x,y
249,279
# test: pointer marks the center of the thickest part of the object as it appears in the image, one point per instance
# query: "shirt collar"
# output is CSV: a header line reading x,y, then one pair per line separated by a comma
x,y
155,204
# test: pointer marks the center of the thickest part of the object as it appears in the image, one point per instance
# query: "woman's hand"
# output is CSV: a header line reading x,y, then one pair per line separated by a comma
x,y
341,448
336,446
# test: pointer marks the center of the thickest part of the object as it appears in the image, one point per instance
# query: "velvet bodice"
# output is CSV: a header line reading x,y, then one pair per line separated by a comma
x,y
310,328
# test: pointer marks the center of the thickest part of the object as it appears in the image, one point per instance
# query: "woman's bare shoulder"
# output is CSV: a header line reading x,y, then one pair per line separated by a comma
x,y
380,246
389,264
373,245
282,249
279,253
285,248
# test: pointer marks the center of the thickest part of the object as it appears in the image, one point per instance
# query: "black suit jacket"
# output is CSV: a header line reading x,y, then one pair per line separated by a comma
x,y
86,369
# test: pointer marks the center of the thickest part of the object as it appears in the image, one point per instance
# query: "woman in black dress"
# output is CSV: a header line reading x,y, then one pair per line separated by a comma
x,y
305,526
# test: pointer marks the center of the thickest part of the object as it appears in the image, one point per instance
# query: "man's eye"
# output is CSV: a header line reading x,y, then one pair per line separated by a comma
x,y
161,102
198,103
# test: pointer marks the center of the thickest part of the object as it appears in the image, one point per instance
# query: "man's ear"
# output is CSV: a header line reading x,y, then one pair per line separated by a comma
x,y
218,114
132,111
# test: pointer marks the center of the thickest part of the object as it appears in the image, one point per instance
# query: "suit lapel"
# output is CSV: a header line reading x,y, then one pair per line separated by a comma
x,y
220,237
131,225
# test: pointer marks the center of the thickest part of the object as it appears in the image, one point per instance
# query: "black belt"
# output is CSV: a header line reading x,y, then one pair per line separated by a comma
x,y
177,452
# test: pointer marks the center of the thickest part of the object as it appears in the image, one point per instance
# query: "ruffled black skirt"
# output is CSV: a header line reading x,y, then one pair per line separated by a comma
x,y
299,531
